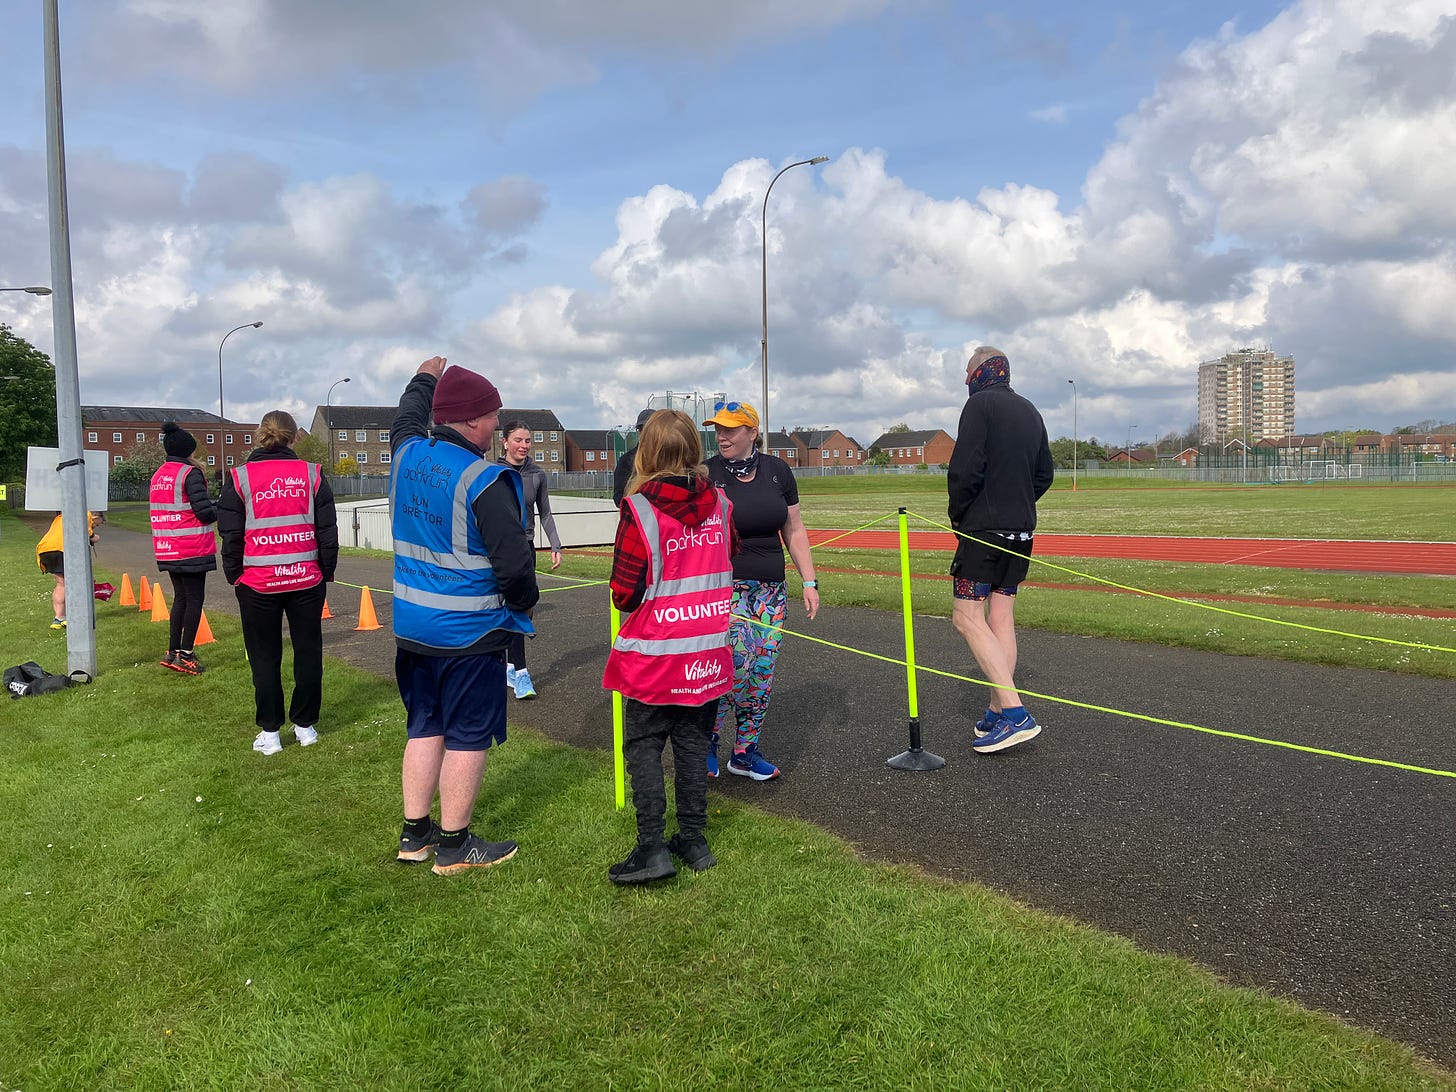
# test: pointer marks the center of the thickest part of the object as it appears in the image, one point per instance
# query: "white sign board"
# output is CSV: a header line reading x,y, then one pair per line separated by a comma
x,y
43,483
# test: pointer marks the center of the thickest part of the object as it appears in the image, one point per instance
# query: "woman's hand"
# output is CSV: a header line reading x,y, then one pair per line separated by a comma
x,y
811,602
556,559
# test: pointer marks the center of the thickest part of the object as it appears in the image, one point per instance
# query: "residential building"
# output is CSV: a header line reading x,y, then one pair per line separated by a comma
x,y
821,447
1138,456
120,430
1187,457
360,433
1246,395
932,447
780,444
1300,448
593,448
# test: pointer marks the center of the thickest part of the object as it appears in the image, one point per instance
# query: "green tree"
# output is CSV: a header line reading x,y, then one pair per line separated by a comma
x,y
27,402
313,449
139,464
901,427
345,466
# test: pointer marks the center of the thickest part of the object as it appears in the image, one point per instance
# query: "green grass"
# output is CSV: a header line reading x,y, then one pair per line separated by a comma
x,y
179,912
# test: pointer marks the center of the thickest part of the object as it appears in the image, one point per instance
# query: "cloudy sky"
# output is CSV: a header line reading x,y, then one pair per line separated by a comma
x,y
566,196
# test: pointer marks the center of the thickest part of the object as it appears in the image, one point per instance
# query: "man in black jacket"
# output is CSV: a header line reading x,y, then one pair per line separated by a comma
x,y
999,469
622,475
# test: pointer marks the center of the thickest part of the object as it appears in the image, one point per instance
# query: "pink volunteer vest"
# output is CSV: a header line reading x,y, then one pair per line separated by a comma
x,y
280,548
673,649
177,533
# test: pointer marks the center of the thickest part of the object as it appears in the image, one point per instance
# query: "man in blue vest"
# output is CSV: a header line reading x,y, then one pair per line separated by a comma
x,y
464,579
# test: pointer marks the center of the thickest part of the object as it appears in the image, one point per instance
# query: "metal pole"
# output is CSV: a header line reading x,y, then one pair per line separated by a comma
x,y
329,418
222,417
763,240
1074,434
76,543
1128,449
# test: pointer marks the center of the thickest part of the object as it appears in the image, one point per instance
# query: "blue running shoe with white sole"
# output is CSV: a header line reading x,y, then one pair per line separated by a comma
x,y
750,763
1007,734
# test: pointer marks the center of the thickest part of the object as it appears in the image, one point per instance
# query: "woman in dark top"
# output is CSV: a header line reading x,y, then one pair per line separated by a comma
x,y
183,541
766,516
535,497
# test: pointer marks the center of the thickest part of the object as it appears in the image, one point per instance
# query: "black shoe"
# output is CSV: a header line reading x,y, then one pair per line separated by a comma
x,y
418,847
693,851
475,852
643,865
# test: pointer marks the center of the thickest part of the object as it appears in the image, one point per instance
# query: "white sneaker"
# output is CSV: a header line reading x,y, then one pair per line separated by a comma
x,y
267,743
523,686
510,676
306,733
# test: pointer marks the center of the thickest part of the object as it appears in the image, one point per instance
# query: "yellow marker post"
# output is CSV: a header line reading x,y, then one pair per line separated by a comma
x,y
619,759
916,758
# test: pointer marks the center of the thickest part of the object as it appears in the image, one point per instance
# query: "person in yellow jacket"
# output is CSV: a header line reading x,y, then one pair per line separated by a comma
x,y
49,556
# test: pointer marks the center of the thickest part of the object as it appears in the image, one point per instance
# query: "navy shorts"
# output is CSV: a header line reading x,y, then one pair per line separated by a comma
x,y
980,568
462,698
53,562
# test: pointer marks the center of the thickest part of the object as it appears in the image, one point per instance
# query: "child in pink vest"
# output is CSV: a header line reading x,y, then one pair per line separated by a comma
x,y
672,570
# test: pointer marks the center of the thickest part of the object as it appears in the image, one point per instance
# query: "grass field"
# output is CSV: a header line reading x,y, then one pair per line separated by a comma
x,y
179,912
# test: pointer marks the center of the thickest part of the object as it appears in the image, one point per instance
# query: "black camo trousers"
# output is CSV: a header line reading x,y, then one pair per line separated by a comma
x,y
646,731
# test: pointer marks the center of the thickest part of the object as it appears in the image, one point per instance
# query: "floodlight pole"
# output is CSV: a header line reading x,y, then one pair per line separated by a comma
x,y
75,512
1074,434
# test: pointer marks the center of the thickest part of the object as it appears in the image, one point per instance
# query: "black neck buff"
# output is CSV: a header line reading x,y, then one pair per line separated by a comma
x,y
742,468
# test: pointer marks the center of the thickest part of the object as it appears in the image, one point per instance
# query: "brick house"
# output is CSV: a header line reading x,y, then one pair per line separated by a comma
x,y
360,433
1187,457
827,448
120,430
929,446
592,449
782,445
1142,456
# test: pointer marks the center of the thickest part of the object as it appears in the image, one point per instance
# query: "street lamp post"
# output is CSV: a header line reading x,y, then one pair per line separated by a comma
x,y
34,290
222,417
329,417
1074,434
763,232
1127,450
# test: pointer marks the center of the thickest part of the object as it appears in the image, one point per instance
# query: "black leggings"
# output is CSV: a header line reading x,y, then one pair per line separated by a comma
x,y
188,590
262,615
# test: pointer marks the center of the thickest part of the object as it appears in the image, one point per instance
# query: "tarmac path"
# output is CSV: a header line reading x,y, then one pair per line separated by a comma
x,y
1324,880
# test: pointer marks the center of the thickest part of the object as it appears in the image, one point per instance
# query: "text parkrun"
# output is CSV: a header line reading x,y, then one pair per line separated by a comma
x,y
709,533
288,488
692,611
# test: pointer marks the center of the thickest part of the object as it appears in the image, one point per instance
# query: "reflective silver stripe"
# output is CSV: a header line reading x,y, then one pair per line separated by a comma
x,y
245,490
460,507
688,584
668,646
180,532
280,559
652,534
178,493
277,521
171,508
416,552
435,601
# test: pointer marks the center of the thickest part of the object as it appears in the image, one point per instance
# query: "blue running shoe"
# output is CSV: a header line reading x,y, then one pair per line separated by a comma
x,y
713,757
523,687
986,724
1005,734
750,763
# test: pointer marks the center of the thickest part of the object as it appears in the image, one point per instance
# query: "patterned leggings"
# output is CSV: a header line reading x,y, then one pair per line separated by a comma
x,y
755,649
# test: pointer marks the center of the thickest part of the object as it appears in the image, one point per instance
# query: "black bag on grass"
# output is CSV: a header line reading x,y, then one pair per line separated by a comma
x,y
29,679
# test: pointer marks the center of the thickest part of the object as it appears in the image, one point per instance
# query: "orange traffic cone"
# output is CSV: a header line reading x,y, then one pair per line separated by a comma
x,y
367,620
128,598
144,602
204,633
327,613
160,613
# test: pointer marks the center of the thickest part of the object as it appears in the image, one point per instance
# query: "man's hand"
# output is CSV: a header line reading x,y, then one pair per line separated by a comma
x,y
434,366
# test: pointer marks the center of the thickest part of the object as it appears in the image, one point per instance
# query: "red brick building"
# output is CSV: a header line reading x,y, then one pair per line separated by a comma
x,y
120,430
931,447
826,448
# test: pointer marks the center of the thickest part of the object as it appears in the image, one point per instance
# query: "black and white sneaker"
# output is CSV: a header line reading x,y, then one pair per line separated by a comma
x,y
418,847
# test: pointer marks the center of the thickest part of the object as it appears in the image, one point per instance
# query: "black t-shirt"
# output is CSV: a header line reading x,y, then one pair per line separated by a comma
x,y
760,513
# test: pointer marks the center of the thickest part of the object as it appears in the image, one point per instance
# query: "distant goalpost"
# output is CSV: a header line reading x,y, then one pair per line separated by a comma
x,y
1319,471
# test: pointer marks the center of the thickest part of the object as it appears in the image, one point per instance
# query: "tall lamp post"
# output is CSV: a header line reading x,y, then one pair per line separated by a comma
x,y
1128,449
34,290
763,233
1074,434
329,417
222,417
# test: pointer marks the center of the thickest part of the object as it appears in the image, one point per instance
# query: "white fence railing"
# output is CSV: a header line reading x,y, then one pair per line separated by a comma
x,y
580,521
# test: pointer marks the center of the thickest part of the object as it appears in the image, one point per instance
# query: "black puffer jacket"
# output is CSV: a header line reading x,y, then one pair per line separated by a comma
x,y
203,507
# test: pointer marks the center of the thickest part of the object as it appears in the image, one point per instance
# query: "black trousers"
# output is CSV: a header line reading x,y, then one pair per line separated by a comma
x,y
188,590
262,617
646,730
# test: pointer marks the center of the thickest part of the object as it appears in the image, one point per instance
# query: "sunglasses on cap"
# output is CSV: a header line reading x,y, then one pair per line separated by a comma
x,y
731,407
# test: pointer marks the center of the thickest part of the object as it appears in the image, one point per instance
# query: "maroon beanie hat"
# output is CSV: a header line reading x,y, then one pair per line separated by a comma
x,y
461,395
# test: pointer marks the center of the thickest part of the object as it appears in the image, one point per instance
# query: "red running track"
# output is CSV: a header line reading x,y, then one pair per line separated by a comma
x,y
1433,558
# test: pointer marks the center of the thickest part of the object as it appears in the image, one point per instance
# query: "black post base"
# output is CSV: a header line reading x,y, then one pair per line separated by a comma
x,y
915,758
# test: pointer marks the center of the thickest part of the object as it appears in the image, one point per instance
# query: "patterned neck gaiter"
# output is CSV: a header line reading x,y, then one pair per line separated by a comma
x,y
742,468
993,372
